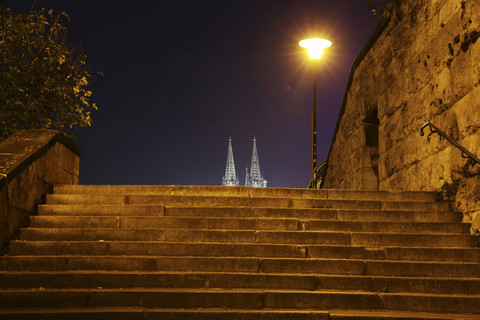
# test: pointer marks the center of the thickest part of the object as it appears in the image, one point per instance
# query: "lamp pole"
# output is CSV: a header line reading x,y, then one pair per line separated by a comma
x,y
315,47
314,124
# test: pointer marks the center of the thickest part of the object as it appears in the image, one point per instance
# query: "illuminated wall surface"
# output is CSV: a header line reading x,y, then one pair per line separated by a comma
x,y
424,66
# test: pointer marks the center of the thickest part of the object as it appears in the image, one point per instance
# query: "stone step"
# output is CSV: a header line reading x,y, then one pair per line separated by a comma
x,y
392,284
167,200
245,192
321,214
396,315
249,236
247,212
243,224
165,222
156,249
242,264
117,279
388,227
409,254
208,252
140,313
153,248
236,299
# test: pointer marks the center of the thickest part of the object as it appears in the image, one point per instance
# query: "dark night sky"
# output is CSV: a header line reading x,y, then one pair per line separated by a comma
x,y
183,76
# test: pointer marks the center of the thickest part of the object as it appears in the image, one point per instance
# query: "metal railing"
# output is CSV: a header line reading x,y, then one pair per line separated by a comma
x,y
321,171
465,153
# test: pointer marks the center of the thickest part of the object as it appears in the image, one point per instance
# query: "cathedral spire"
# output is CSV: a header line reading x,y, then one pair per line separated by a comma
x,y
230,178
255,179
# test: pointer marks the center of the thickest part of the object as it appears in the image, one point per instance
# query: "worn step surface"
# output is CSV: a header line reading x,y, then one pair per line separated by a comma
x,y
246,223
235,299
200,252
269,202
247,212
157,248
250,236
242,264
242,280
245,192
140,313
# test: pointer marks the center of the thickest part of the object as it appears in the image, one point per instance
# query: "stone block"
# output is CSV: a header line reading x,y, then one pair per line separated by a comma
x,y
475,222
357,159
65,160
462,81
3,217
475,65
448,9
57,165
428,303
433,8
21,190
420,73
471,11
427,174
322,300
349,126
445,33
467,111
396,94
447,122
442,83
362,179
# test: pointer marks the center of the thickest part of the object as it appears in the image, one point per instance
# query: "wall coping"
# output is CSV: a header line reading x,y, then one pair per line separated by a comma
x,y
24,147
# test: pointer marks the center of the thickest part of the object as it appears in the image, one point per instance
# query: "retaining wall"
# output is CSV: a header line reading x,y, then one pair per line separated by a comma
x,y
31,161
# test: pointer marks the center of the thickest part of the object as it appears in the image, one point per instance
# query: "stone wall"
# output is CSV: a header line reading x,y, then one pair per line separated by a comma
x,y
31,161
423,65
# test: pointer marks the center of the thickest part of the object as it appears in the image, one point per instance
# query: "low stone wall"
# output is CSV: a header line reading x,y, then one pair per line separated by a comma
x,y
31,161
424,65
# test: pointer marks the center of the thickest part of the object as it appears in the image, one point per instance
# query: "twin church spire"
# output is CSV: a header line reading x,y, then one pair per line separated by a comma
x,y
254,179
230,178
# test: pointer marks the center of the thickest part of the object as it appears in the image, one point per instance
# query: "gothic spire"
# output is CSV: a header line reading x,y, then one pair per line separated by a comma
x,y
230,178
254,165
255,179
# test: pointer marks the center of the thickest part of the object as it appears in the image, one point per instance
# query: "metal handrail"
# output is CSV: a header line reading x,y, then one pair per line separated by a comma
x,y
321,170
465,153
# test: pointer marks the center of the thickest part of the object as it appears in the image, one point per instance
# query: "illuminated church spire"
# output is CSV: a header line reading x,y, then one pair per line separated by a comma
x,y
230,178
255,178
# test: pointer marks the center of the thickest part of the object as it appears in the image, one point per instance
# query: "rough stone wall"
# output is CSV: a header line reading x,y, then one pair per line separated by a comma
x,y
31,161
424,66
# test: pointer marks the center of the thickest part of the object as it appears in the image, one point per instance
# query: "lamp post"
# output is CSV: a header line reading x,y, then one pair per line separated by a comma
x,y
315,48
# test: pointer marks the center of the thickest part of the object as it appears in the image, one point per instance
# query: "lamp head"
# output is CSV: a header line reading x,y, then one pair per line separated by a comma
x,y
315,46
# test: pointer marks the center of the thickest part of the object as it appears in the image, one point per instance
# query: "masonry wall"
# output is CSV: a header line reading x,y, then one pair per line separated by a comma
x,y
31,161
424,66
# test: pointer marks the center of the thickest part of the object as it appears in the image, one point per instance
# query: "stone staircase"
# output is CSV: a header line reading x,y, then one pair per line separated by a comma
x,y
237,253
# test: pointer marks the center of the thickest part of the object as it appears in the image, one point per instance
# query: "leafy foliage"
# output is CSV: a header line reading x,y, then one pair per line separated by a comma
x,y
382,9
449,190
43,81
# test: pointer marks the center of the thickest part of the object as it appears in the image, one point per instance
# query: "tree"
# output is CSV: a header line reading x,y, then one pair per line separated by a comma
x,y
43,81
382,9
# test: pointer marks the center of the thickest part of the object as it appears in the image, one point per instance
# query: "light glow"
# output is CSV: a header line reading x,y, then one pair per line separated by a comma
x,y
315,46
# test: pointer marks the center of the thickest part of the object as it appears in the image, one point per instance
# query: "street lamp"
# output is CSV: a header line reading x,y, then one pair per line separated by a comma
x,y
315,48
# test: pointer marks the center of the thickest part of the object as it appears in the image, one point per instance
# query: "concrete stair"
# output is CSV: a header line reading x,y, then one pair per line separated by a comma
x,y
236,253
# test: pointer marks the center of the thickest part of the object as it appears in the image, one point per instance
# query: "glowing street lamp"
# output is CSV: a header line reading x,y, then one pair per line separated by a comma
x,y
315,48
